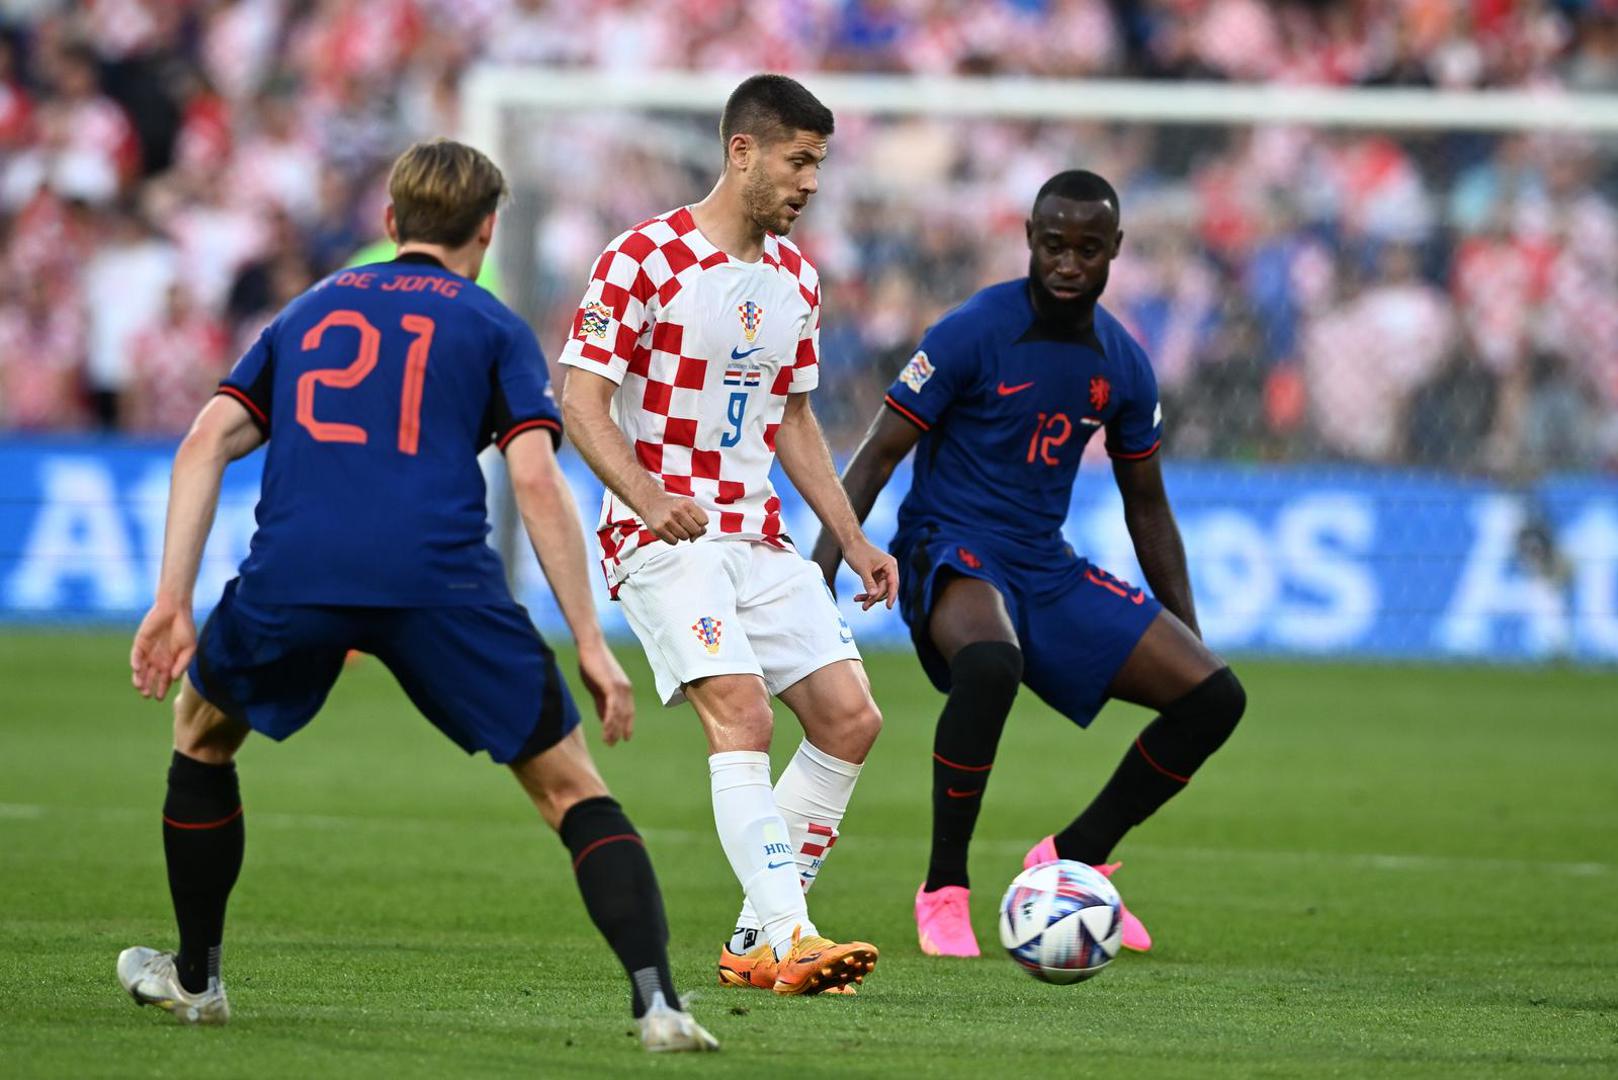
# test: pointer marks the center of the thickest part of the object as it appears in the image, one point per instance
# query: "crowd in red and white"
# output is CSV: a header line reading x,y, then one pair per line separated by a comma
x,y
172,171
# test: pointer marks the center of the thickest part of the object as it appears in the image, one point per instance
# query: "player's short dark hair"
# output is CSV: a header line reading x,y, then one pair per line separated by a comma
x,y
1079,185
769,107
441,191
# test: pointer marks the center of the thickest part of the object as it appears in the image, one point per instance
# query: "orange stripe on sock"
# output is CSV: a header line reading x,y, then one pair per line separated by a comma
x,y
1159,768
964,768
226,820
605,840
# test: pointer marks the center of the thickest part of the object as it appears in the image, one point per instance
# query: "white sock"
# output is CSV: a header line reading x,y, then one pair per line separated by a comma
x,y
811,797
758,844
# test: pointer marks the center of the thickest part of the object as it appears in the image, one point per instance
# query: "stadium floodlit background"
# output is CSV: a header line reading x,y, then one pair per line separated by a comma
x,y
1372,249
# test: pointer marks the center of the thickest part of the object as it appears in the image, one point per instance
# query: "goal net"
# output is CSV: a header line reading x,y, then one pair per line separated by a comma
x,y
1384,323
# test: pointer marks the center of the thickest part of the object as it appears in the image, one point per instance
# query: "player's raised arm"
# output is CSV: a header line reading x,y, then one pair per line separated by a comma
x,y
587,409
551,519
801,448
1156,535
223,432
887,441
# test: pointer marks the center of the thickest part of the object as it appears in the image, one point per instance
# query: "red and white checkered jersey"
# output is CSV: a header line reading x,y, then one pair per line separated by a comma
x,y
704,349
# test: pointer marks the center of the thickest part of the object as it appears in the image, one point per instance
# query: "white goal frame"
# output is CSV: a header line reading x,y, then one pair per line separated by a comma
x,y
488,88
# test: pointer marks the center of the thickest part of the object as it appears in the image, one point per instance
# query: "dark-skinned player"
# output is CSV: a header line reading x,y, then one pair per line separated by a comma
x,y
999,402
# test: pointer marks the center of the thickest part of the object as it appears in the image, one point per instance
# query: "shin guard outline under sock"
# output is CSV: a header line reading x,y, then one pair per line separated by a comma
x,y
620,892
203,841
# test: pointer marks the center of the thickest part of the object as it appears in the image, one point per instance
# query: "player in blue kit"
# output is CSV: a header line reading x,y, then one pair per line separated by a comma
x,y
375,391
999,402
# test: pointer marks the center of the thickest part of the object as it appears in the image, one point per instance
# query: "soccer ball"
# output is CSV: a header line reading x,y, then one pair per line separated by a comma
x,y
1060,920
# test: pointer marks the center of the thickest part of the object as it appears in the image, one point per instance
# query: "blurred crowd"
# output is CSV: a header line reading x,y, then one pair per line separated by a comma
x,y
173,171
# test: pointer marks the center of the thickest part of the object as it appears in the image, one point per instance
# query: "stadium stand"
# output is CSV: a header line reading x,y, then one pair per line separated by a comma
x,y
233,151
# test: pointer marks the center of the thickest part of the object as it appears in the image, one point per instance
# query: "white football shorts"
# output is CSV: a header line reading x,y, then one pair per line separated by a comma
x,y
733,607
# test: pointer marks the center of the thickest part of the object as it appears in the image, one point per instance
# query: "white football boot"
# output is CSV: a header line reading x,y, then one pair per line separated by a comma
x,y
151,978
664,1029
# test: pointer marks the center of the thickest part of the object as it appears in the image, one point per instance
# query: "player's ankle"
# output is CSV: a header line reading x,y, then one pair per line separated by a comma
x,y
945,877
782,935
745,939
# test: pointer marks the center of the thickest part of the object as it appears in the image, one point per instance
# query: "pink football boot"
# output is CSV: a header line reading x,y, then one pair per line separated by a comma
x,y
944,922
1135,936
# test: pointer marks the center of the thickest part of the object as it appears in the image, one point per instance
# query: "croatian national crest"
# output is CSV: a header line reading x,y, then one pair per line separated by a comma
x,y
594,320
708,631
1100,392
917,372
751,315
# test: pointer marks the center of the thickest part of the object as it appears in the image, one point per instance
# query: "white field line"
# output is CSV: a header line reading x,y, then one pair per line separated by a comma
x,y
1384,861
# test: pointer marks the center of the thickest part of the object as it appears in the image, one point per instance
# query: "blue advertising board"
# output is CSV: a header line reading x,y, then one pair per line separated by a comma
x,y
1285,560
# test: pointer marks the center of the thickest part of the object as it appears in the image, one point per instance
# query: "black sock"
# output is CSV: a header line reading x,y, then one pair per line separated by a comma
x,y
620,892
983,683
203,838
1156,767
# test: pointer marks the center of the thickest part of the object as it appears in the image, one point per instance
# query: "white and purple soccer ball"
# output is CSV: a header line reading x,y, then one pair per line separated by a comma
x,y
1060,921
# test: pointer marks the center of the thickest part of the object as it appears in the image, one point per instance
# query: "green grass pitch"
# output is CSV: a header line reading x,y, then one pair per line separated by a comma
x,y
1388,872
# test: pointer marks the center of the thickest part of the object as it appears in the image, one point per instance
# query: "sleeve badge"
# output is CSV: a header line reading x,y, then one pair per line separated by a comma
x,y
594,318
917,372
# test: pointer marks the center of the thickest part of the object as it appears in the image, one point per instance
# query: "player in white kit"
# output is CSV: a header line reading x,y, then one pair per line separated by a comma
x,y
691,361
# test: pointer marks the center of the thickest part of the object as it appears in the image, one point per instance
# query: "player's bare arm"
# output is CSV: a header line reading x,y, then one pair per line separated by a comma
x,y
587,410
223,432
801,447
551,519
1156,535
889,438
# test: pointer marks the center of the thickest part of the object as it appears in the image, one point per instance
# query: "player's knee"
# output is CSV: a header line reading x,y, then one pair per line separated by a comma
x,y
1211,712
202,731
864,725
1229,701
990,668
751,725
561,795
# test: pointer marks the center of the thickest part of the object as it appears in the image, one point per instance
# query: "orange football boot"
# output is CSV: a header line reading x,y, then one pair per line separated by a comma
x,y
755,970
817,965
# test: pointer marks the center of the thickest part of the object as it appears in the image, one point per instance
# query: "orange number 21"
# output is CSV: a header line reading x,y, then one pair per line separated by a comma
x,y
415,374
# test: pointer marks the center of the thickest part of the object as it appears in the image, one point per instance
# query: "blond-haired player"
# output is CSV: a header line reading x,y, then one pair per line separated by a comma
x,y
375,390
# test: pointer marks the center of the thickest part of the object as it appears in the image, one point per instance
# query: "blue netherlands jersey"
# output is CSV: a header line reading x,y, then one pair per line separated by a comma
x,y
1006,406
376,389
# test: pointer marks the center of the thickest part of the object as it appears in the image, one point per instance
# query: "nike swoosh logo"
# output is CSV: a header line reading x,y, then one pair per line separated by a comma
x,y
952,793
1139,598
1007,391
734,355
778,865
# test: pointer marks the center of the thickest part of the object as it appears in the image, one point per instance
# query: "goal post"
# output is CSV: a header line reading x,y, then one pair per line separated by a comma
x,y
1384,321
489,88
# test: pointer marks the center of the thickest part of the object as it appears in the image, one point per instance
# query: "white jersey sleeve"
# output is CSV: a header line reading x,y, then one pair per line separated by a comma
x,y
806,364
612,318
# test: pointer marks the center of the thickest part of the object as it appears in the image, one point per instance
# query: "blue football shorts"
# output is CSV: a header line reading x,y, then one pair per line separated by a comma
x,y
1076,623
481,674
